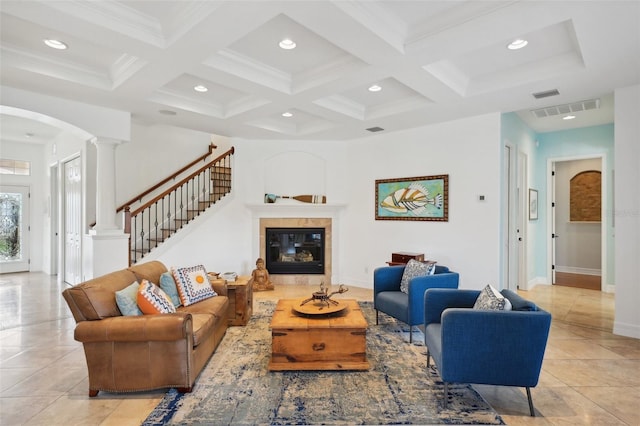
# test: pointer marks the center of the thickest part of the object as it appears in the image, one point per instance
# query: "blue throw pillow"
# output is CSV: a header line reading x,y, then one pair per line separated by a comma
x,y
168,285
518,303
126,299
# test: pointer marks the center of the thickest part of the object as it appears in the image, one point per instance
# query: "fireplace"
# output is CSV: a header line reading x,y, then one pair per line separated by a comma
x,y
295,250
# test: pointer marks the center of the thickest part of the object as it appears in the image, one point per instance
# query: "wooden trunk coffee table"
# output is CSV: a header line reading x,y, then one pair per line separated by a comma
x,y
318,342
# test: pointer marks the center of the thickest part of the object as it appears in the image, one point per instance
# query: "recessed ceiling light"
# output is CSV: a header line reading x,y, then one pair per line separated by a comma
x,y
287,114
517,44
55,44
287,44
167,112
568,117
200,88
375,88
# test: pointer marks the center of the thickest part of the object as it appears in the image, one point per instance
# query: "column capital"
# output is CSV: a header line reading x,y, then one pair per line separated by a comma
x,y
101,140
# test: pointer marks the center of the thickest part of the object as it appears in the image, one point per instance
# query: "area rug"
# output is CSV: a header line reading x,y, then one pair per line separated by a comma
x,y
235,388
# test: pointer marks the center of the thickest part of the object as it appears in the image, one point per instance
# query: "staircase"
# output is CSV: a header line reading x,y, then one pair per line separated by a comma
x,y
154,221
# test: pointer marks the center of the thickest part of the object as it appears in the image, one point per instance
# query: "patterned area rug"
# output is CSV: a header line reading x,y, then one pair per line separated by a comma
x,y
235,388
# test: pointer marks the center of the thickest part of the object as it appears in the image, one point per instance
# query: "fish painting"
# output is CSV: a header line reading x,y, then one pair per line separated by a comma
x,y
412,199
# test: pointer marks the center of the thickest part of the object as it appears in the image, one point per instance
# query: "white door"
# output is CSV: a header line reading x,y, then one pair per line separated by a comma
x,y
14,228
554,231
55,225
523,192
72,221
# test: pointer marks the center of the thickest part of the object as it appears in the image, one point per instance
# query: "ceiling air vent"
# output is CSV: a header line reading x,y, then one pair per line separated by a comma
x,y
375,129
546,94
566,108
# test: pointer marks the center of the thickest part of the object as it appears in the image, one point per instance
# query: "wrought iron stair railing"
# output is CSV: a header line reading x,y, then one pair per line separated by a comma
x,y
154,221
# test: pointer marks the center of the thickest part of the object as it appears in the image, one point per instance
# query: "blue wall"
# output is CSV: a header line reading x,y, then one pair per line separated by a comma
x,y
540,148
583,142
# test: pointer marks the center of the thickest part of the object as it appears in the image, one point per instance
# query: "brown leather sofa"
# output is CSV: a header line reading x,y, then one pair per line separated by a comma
x,y
139,353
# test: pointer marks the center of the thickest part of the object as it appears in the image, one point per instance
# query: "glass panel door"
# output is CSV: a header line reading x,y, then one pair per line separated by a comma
x,y
14,228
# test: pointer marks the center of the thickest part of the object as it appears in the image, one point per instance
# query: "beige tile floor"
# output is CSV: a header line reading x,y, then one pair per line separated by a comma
x,y
590,376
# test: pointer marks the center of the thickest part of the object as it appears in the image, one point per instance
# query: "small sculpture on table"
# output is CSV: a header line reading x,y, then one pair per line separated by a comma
x,y
260,276
324,297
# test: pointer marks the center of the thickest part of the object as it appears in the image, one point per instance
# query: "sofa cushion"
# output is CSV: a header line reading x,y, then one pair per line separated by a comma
x,y
127,300
490,299
519,303
203,325
216,306
168,285
415,269
152,300
193,284
149,271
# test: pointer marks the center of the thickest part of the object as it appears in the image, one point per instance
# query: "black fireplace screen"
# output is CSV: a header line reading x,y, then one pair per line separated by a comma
x,y
295,250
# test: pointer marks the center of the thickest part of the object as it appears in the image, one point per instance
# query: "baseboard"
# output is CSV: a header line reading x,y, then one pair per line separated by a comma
x,y
576,270
629,330
534,282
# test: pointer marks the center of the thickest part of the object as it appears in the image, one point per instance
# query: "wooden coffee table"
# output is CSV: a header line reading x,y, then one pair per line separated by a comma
x,y
313,342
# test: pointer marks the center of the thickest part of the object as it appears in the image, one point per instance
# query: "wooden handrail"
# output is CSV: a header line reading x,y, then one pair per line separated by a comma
x,y
179,184
167,179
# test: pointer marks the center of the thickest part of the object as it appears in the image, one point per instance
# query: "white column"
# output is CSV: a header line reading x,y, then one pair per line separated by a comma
x,y
106,186
107,244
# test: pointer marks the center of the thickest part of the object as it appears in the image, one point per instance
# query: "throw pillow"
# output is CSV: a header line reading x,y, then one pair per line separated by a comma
x,y
193,284
518,302
168,285
152,300
126,299
490,299
412,270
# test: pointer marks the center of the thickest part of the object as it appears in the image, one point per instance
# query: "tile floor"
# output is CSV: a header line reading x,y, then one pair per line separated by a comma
x,y
589,377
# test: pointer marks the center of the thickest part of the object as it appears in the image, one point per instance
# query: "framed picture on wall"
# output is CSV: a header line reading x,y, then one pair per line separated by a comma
x,y
533,204
413,198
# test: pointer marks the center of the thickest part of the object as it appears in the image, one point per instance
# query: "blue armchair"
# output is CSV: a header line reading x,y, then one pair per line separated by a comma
x,y
408,308
485,347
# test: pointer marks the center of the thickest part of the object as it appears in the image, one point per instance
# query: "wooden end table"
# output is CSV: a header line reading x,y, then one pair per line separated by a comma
x,y
305,342
240,293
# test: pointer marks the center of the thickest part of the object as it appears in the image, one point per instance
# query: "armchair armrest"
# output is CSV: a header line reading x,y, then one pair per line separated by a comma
x,y
142,328
493,347
436,300
387,278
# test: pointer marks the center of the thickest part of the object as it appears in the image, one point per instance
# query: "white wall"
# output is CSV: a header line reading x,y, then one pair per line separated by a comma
x,y
226,238
469,151
627,211
156,152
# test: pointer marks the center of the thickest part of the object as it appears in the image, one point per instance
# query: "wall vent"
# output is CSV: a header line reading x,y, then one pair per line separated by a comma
x,y
375,129
552,111
546,94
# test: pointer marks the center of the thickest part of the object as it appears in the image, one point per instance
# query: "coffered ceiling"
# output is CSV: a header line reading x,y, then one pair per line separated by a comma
x,y
433,60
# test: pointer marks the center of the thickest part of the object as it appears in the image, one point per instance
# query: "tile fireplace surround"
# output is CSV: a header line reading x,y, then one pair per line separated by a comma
x,y
297,222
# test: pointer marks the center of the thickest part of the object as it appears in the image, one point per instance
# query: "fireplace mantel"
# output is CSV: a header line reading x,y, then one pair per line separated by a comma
x,y
294,209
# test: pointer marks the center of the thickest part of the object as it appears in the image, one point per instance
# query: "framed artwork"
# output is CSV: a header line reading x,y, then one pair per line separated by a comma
x,y
533,204
413,198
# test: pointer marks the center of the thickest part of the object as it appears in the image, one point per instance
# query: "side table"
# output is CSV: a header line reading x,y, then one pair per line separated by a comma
x,y
240,293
